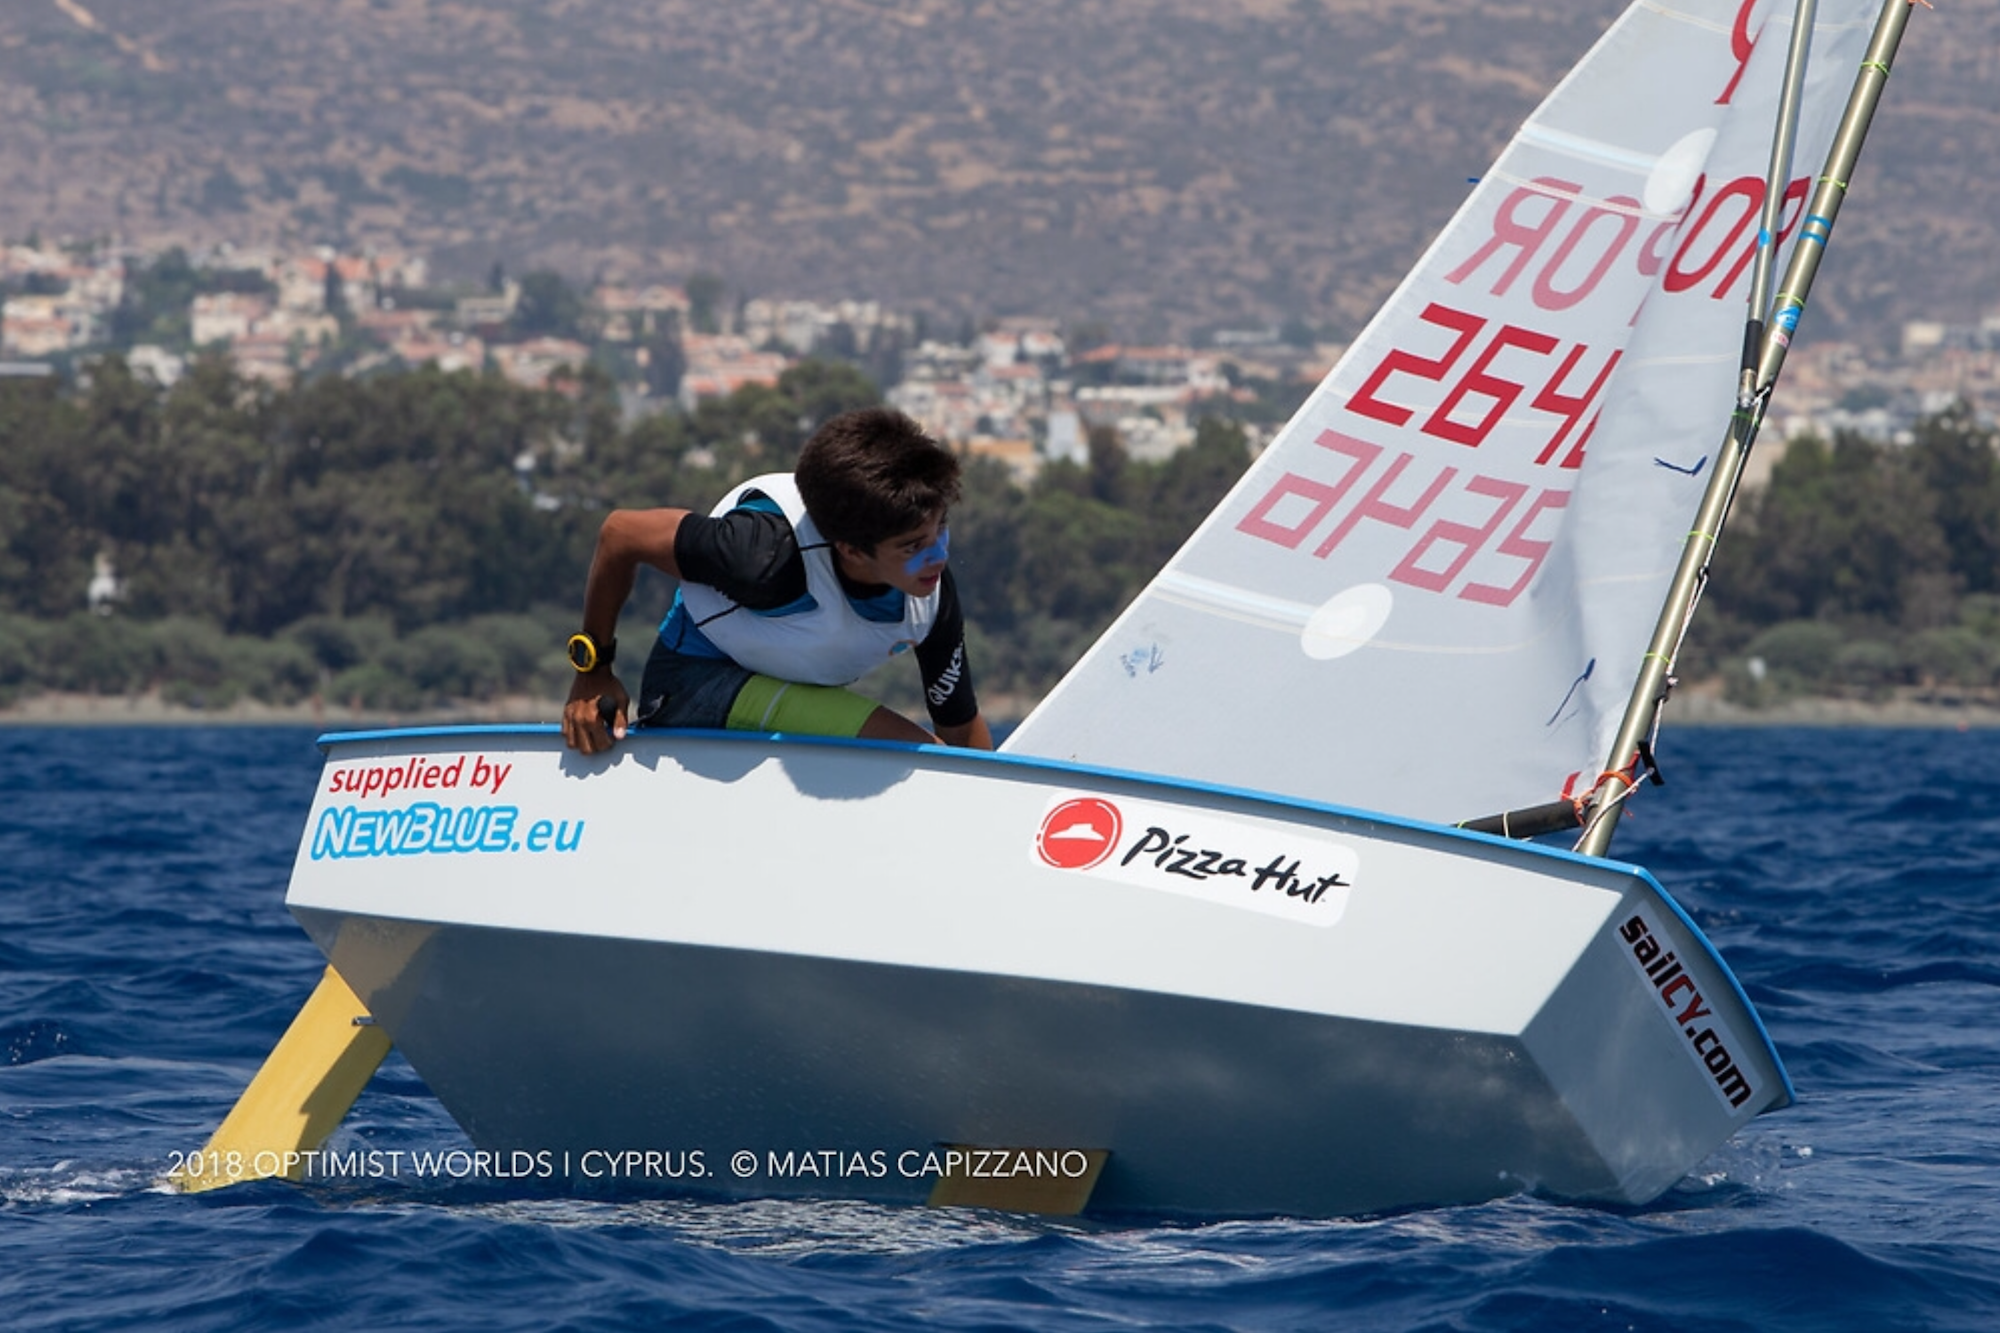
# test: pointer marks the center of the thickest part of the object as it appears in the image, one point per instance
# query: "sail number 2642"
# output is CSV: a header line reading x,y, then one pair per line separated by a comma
x,y
1516,519
1479,537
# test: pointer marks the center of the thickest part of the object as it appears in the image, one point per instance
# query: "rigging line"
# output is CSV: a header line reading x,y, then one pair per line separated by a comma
x,y
1610,805
1776,174
1751,424
1643,706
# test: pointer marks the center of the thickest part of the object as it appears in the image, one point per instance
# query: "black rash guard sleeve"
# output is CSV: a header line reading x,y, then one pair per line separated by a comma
x,y
751,556
748,555
942,660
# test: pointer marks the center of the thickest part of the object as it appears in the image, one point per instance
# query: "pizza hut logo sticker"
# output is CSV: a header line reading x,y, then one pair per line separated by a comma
x,y
1079,833
1282,868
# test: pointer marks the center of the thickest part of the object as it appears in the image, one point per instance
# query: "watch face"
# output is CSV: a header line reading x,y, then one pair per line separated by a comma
x,y
582,652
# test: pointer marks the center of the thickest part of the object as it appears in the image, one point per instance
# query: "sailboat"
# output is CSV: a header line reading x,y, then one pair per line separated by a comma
x,y
1247,916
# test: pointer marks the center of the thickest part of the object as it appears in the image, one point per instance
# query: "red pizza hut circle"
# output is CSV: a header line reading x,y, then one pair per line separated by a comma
x,y
1079,833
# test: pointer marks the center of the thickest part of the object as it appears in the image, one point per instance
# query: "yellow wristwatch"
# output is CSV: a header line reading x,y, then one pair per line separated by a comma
x,y
586,655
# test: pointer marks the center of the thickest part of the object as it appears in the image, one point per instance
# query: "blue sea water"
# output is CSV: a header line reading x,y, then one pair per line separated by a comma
x,y
147,964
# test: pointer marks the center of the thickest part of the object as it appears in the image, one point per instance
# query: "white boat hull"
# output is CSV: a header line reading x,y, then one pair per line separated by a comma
x,y
706,945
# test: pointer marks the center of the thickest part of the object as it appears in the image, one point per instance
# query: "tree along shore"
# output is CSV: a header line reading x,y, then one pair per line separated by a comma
x,y
414,542
1698,704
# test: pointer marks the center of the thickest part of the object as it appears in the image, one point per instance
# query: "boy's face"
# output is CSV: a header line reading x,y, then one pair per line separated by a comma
x,y
912,561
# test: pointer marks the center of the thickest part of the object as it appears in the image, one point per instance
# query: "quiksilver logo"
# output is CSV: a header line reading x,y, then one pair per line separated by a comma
x,y
942,687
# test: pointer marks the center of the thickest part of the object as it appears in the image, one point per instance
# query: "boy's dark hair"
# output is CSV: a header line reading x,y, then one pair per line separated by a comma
x,y
872,474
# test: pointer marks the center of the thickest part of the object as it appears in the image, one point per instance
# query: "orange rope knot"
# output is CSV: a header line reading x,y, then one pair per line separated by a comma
x,y
1581,801
1619,773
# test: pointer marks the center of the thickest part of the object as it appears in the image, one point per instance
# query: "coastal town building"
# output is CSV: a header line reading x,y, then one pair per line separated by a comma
x,y
637,314
719,364
223,317
40,326
447,351
804,328
490,310
534,362
1012,390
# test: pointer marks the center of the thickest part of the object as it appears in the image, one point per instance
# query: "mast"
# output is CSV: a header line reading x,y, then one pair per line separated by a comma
x,y
1649,692
1775,180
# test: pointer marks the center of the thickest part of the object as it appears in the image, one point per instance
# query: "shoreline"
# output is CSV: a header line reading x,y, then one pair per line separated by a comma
x,y
1698,708
151,710
1696,705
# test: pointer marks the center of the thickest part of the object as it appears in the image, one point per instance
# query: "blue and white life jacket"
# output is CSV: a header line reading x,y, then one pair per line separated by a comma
x,y
821,640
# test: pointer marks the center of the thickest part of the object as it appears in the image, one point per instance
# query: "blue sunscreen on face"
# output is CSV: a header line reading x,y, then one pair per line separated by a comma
x,y
934,554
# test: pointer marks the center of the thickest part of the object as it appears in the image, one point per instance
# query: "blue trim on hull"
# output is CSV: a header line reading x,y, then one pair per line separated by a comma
x,y
1068,768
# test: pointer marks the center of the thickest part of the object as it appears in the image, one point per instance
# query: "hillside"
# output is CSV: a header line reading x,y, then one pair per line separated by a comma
x,y
1161,165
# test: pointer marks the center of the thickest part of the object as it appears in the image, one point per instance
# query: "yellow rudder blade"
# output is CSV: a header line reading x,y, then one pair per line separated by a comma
x,y
1053,1182
302,1093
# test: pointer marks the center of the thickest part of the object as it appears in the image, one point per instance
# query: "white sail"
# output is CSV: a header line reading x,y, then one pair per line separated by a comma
x,y
1431,595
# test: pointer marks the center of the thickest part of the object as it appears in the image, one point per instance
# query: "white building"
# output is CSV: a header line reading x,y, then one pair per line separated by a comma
x,y
224,317
163,366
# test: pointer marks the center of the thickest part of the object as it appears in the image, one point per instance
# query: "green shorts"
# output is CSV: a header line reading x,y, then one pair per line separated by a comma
x,y
680,690
765,704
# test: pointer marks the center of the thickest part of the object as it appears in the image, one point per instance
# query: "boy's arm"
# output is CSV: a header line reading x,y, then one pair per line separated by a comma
x,y
973,735
629,538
